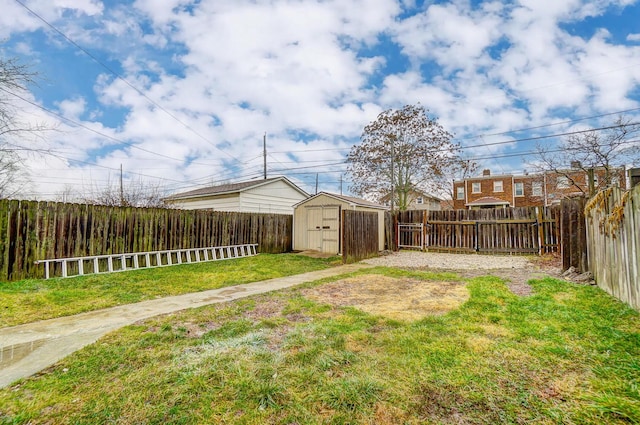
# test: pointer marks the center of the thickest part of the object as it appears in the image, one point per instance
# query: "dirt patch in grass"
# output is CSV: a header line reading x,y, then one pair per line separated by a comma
x,y
395,298
444,404
265,308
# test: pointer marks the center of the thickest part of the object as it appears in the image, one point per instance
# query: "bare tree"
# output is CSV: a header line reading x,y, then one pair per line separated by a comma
x,y
599,153
14,78
68,195
14,143
135,193
400,152
459,170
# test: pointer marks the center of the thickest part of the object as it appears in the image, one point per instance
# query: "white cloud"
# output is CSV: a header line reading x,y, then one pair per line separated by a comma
x,y
451,34
612,72
222,72
15,18
88,7
72,108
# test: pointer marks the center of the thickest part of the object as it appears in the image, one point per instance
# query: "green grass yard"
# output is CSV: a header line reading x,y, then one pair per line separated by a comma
x,y
568,354
37,299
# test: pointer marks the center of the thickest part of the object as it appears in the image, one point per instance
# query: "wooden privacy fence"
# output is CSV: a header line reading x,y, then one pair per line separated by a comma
x,y
504,230
613,235
359,235
31,231
573,234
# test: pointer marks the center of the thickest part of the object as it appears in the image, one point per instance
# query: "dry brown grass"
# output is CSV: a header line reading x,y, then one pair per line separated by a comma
x,y
396,298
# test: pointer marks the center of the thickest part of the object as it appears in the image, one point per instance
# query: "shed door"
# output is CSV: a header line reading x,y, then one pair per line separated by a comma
x,y
323,229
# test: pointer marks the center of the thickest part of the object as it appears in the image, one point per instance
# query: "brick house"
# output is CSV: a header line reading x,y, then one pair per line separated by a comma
x,y
526,190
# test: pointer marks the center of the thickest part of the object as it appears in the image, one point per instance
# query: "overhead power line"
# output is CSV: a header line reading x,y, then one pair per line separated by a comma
x,y
99,133
118,76
548,136
503,133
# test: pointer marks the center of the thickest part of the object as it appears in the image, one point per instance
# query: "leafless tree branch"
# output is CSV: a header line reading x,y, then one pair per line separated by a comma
x,y
605,150
406,147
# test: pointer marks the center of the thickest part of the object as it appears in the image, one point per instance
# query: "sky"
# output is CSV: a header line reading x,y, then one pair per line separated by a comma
x,y
182,94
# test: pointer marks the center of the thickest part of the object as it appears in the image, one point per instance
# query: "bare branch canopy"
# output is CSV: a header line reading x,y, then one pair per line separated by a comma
x,y
400,152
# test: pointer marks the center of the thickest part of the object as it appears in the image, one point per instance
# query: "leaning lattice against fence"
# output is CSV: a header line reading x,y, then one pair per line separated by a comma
x,y
613,236
31,231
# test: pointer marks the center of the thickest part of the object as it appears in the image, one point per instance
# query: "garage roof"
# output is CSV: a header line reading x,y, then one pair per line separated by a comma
x,y
232,188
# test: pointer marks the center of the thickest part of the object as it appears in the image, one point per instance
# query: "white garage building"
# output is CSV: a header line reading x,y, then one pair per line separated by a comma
x,y
275,195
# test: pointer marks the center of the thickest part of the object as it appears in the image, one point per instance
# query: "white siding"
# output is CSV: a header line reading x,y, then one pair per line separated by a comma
x,y
218,203
277,197
429,204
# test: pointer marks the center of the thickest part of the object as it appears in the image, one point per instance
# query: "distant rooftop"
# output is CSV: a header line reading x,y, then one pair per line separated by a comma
x,y
229,188
351,200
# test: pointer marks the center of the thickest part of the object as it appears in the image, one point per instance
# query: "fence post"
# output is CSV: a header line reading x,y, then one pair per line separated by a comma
x,y
573,235
425,221
540,224
476,243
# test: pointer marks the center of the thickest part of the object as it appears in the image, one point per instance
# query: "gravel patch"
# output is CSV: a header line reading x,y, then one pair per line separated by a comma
x,y
515,270
438,260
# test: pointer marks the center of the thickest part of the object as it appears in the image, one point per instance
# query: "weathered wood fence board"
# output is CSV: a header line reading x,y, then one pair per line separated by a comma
x,y
359,235
613,236
505,230
573,235
31,231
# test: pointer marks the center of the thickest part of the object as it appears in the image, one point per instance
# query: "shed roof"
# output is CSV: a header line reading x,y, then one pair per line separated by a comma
x,y
350,199
232,188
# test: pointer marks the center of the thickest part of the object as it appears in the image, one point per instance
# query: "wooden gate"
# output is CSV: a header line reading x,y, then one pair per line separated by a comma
x,y
411,235
509,230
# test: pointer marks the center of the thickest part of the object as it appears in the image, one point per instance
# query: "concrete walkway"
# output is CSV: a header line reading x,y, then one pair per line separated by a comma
x,y
30,348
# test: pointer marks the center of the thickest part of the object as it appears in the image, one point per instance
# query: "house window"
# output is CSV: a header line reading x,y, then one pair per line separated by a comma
x,y
475,188
459,192
419,200
536,188
519,189
562,182
497,186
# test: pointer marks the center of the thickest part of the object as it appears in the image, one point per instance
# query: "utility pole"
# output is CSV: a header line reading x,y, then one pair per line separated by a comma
x,y
264,145
316,183
340,184
121,189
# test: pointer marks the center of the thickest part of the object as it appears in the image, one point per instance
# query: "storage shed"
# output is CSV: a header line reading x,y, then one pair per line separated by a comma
x,y
317,221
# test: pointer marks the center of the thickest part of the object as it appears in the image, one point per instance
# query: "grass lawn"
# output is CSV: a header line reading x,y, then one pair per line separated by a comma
x,y
30,300
568,354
